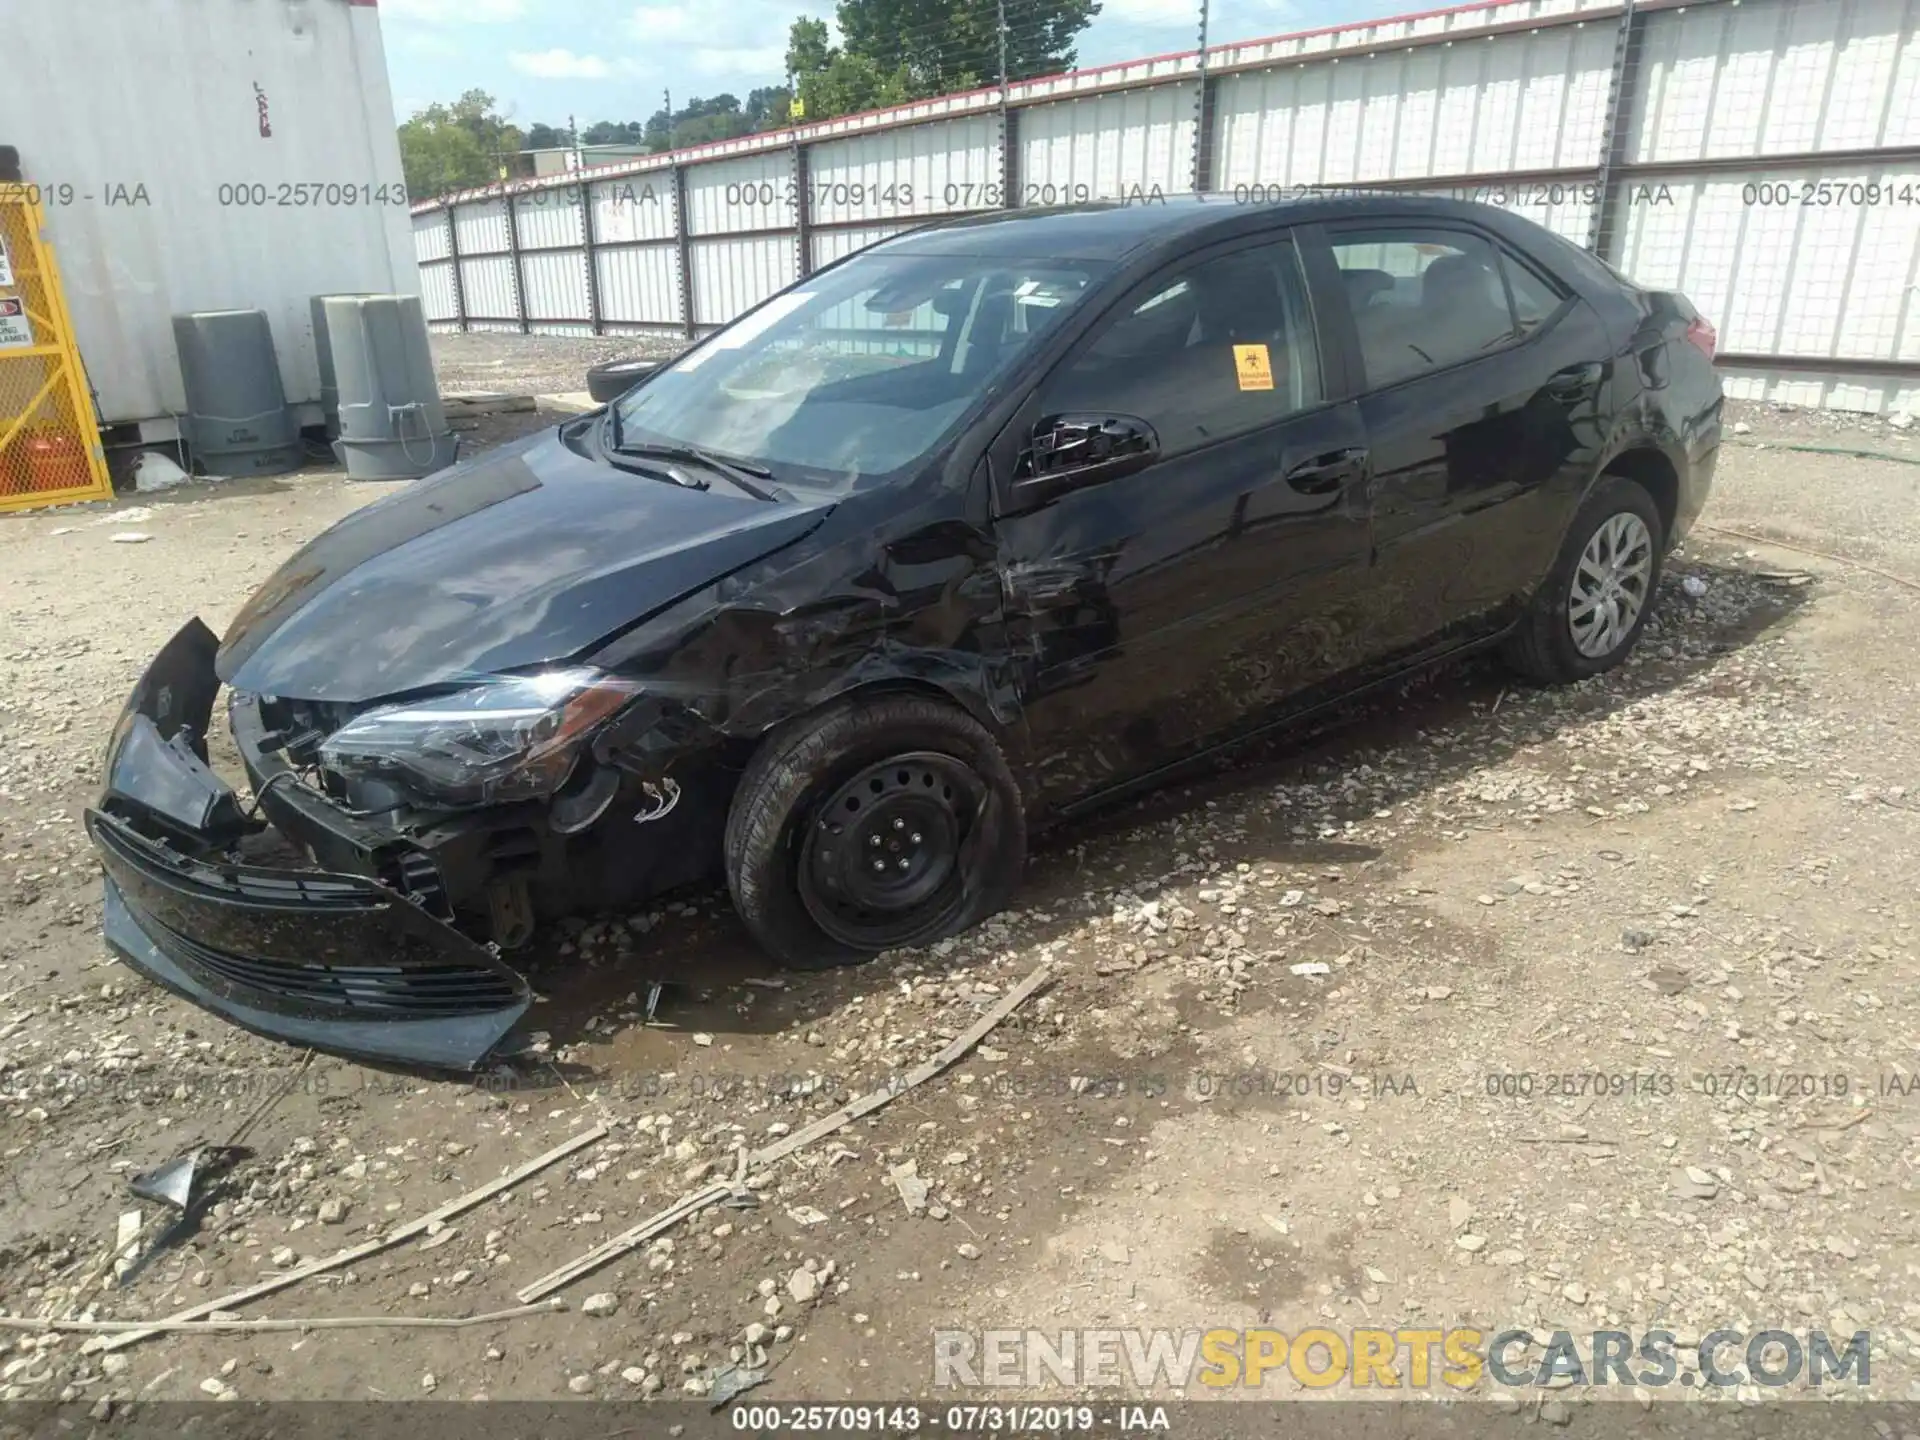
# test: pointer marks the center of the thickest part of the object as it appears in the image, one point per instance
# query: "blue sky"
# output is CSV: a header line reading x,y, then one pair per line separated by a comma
x,y
611,59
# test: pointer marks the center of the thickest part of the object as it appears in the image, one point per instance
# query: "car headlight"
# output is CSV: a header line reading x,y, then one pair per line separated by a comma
x,y
514,738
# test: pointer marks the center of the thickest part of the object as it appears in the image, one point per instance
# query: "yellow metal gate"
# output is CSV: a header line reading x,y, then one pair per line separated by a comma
x,y
49,442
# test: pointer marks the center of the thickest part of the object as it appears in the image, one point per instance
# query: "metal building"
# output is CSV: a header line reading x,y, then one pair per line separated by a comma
x,y
205,155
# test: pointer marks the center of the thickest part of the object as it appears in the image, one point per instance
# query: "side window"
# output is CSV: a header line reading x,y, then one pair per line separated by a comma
x,y
1423,299
1534,300
1215,350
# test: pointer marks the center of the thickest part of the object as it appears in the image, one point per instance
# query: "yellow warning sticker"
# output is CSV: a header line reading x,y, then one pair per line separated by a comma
x,y
1254,369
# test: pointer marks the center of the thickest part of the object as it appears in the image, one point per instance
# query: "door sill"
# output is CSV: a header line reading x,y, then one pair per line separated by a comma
x,y
1154,779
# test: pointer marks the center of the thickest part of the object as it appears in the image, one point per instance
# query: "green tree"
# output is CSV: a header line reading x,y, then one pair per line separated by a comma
x,y
897,50
767,106
717,117
547,137
457,146
612,132
949,45
835,80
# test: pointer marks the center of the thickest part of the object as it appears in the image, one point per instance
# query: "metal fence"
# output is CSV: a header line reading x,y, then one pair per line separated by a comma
x,y
1762,155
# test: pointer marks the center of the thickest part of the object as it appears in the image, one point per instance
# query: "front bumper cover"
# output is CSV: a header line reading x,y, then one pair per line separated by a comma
x,y
337,961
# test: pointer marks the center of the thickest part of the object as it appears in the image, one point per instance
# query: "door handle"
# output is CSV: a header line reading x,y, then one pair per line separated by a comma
x,y
1576,382
1324,473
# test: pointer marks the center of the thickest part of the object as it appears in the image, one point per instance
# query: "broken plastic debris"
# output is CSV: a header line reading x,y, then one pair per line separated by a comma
x,y
126,1243
913,1190
154,471
726,1381
172,1183
1310,967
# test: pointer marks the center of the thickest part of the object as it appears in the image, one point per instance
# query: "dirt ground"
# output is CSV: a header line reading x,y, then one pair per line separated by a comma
x,y
533,364
1299,1062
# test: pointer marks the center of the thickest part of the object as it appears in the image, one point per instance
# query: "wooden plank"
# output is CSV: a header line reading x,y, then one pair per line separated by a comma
x,y
457,1206
689,1205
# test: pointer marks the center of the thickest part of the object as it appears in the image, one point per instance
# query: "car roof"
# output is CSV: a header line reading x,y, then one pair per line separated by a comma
x,y
1111,230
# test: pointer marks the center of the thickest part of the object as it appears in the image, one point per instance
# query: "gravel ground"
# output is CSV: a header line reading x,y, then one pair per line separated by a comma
x,y
1295,1066
533,364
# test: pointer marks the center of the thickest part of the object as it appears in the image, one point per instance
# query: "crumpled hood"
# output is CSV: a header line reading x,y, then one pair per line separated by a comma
x,y
524,556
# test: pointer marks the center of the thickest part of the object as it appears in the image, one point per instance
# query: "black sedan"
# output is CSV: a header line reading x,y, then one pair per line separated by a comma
x,y
978,527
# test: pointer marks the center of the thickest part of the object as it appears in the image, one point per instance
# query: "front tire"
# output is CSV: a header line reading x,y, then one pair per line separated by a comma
x,y
874,825
1588,613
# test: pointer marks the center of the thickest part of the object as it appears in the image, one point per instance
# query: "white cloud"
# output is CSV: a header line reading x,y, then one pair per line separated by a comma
x,y
1230,18
767,63
560,65
685,23
446,12
667,24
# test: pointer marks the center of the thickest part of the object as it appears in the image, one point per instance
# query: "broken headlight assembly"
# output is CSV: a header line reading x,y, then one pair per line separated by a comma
x,y
516,737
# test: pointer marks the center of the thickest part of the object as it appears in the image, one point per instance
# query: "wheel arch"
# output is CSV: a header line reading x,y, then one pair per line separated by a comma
x,y
1648,465
962,687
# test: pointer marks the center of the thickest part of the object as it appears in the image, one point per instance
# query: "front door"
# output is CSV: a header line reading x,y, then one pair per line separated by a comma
x,y
1163,611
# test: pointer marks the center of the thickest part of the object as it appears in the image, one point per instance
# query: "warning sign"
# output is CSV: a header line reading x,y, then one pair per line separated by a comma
x,y
6,265
16,332
1254,369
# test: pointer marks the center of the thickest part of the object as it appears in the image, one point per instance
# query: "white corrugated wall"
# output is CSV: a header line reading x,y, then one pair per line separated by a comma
x,y
731,276
1107,146
832,245
1494,102
1518,102
922,170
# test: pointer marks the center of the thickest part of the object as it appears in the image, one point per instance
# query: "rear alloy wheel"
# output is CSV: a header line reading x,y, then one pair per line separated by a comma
x,y
874,825
1589,611
1610,585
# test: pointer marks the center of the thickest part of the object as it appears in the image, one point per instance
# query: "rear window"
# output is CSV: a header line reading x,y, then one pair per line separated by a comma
x,y
1422,299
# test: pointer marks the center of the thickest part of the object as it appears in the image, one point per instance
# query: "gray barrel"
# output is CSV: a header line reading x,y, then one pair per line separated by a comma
x,y
323,351
392,425
238,421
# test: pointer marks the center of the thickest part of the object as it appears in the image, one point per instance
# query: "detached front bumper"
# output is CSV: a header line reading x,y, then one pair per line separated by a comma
x,y
340,962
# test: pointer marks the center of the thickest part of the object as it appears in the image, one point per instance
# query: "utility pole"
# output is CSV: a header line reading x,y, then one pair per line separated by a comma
x,y
1000,10
1009,126
1202,116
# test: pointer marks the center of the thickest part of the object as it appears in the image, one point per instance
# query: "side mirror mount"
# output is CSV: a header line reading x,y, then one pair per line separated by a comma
x,y
1072,451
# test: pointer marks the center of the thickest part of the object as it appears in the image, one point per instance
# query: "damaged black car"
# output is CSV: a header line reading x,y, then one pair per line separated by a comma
x,y
981,526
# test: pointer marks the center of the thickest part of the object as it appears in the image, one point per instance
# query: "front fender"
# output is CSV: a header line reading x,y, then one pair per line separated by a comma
x,y
923,610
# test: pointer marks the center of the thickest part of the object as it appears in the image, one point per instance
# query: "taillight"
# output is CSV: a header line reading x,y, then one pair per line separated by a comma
x,y
1702,336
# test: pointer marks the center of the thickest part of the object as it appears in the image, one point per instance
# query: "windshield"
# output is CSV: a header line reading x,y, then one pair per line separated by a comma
x,y
859,372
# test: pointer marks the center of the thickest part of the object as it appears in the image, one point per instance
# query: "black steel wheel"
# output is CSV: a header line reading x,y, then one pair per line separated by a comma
x,y
872,826
883,856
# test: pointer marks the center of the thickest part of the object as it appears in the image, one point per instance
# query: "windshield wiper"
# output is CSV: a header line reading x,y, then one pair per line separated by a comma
x,y
743,473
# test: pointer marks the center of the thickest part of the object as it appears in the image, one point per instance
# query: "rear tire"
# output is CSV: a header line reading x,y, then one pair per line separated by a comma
x,y
1588,613
874,825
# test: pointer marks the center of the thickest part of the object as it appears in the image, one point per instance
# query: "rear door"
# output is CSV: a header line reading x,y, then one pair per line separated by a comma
x,y
1484,388
1159,612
